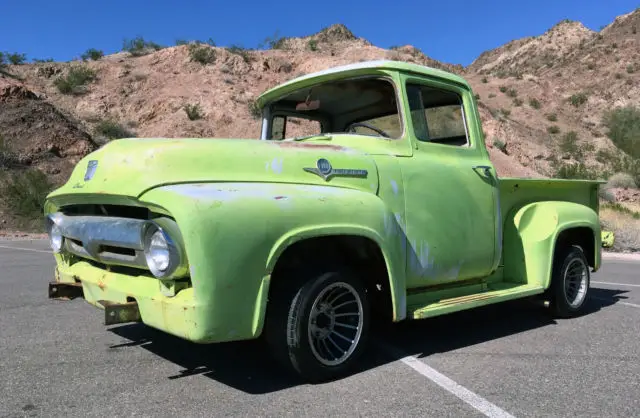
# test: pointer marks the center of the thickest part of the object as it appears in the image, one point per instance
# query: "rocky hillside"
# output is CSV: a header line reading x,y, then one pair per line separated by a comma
x,y
542,99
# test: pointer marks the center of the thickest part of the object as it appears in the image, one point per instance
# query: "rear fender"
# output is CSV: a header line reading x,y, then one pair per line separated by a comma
x,y
532,233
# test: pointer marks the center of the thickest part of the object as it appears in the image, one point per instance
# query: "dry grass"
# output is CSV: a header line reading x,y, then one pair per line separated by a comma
x,y
625,228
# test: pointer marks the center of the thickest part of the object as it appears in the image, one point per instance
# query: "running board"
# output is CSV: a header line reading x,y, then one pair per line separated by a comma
x,y
496,292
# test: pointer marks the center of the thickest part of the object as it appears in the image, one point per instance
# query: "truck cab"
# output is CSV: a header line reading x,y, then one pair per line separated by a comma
x,y
369,197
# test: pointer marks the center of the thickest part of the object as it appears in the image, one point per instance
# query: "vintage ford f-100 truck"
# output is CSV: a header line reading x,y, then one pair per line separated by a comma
x,y
370,196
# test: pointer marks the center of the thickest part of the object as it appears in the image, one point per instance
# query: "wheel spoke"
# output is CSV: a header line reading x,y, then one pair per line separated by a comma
x,y
341,324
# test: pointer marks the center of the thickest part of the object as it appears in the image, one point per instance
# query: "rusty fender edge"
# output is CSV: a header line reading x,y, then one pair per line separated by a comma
x,y
119,313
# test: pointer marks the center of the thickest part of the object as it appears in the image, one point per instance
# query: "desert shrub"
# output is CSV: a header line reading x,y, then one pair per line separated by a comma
x,y
92,54
484,80
578,99
623,126
75,80
111,129
517,102
505,112
239,50
25,192
492,95
630,68
552,117
193,111
312,45
618,76
503,89
534,103
15,58
569,143
138,46
511,92
622,180
501,145
202,54
553,129
254,110
575,171
8,158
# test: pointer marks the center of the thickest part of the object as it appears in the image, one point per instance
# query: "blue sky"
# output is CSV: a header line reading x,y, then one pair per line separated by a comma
x,y
450,31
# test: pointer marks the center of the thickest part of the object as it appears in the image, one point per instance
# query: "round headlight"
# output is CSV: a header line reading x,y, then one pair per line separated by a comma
x,y
55,238
159,252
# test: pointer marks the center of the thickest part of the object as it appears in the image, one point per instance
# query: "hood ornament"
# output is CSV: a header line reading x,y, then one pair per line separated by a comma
x,y
324,169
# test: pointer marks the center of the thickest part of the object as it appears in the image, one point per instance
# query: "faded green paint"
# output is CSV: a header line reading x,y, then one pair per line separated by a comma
x,y
452,235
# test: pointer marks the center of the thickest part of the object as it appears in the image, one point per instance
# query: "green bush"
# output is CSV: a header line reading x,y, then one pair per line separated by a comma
x,y
193,111
254,110
138,46
575,171
202,54
569,144
15,58
623,126
578,99
76,80
93,54
534,103
312,45
553,129
24,193
113,130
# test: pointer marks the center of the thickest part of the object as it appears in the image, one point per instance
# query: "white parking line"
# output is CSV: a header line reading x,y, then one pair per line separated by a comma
x,y
618,284
617,302
476,401
26,249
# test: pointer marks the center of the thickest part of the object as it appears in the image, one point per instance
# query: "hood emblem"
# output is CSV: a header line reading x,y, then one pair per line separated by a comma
x,y
324,169
91,170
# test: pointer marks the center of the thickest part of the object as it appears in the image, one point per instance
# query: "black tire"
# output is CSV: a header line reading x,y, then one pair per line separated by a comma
x,y
567,303
287,324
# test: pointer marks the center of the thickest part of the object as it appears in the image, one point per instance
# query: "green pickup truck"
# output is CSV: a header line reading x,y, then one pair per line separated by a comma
x,y
369,197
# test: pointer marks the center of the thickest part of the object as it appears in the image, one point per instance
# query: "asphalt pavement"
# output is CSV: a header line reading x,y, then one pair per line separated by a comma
x,y
58,359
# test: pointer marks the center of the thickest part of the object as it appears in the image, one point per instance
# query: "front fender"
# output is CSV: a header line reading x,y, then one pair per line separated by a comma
x,y
531,234
235,232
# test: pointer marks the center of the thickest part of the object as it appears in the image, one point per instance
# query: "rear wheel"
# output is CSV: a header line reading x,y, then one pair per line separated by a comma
x,y
570,282
318,322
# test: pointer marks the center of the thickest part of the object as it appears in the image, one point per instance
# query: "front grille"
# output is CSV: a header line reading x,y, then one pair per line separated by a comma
x,y
118,211
106,239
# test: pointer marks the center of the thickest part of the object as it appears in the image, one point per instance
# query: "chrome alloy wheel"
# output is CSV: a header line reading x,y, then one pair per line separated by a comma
x,y
575,282
335,324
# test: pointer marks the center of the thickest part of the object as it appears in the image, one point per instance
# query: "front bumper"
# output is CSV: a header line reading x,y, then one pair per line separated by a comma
x,y
133,298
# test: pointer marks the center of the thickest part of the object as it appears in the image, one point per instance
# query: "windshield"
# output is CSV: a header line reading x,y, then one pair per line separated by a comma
x,y
359,106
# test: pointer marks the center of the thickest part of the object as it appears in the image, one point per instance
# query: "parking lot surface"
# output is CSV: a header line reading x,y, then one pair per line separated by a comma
x,y
58,359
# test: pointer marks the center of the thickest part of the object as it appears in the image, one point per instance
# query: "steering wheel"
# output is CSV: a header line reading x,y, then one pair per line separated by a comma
x,y
366,125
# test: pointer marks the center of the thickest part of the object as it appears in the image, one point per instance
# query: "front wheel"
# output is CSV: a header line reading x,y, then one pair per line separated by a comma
x,y
318,325
570,282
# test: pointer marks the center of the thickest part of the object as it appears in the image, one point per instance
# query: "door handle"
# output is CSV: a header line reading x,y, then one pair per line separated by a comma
x,y
486,168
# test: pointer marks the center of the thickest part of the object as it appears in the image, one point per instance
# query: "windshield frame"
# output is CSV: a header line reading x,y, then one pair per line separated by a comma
x,y
268,114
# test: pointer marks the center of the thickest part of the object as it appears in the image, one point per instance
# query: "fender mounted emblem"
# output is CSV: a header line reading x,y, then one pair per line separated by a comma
x,y
324,169
91,170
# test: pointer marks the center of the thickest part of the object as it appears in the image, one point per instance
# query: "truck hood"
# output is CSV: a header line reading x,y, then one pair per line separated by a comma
x,y
130,167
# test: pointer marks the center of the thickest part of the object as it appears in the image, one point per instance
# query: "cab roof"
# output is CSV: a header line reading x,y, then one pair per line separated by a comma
x,y
342,71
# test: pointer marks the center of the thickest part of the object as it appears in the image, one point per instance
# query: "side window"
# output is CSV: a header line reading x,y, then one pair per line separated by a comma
x,y
292,126
437,115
